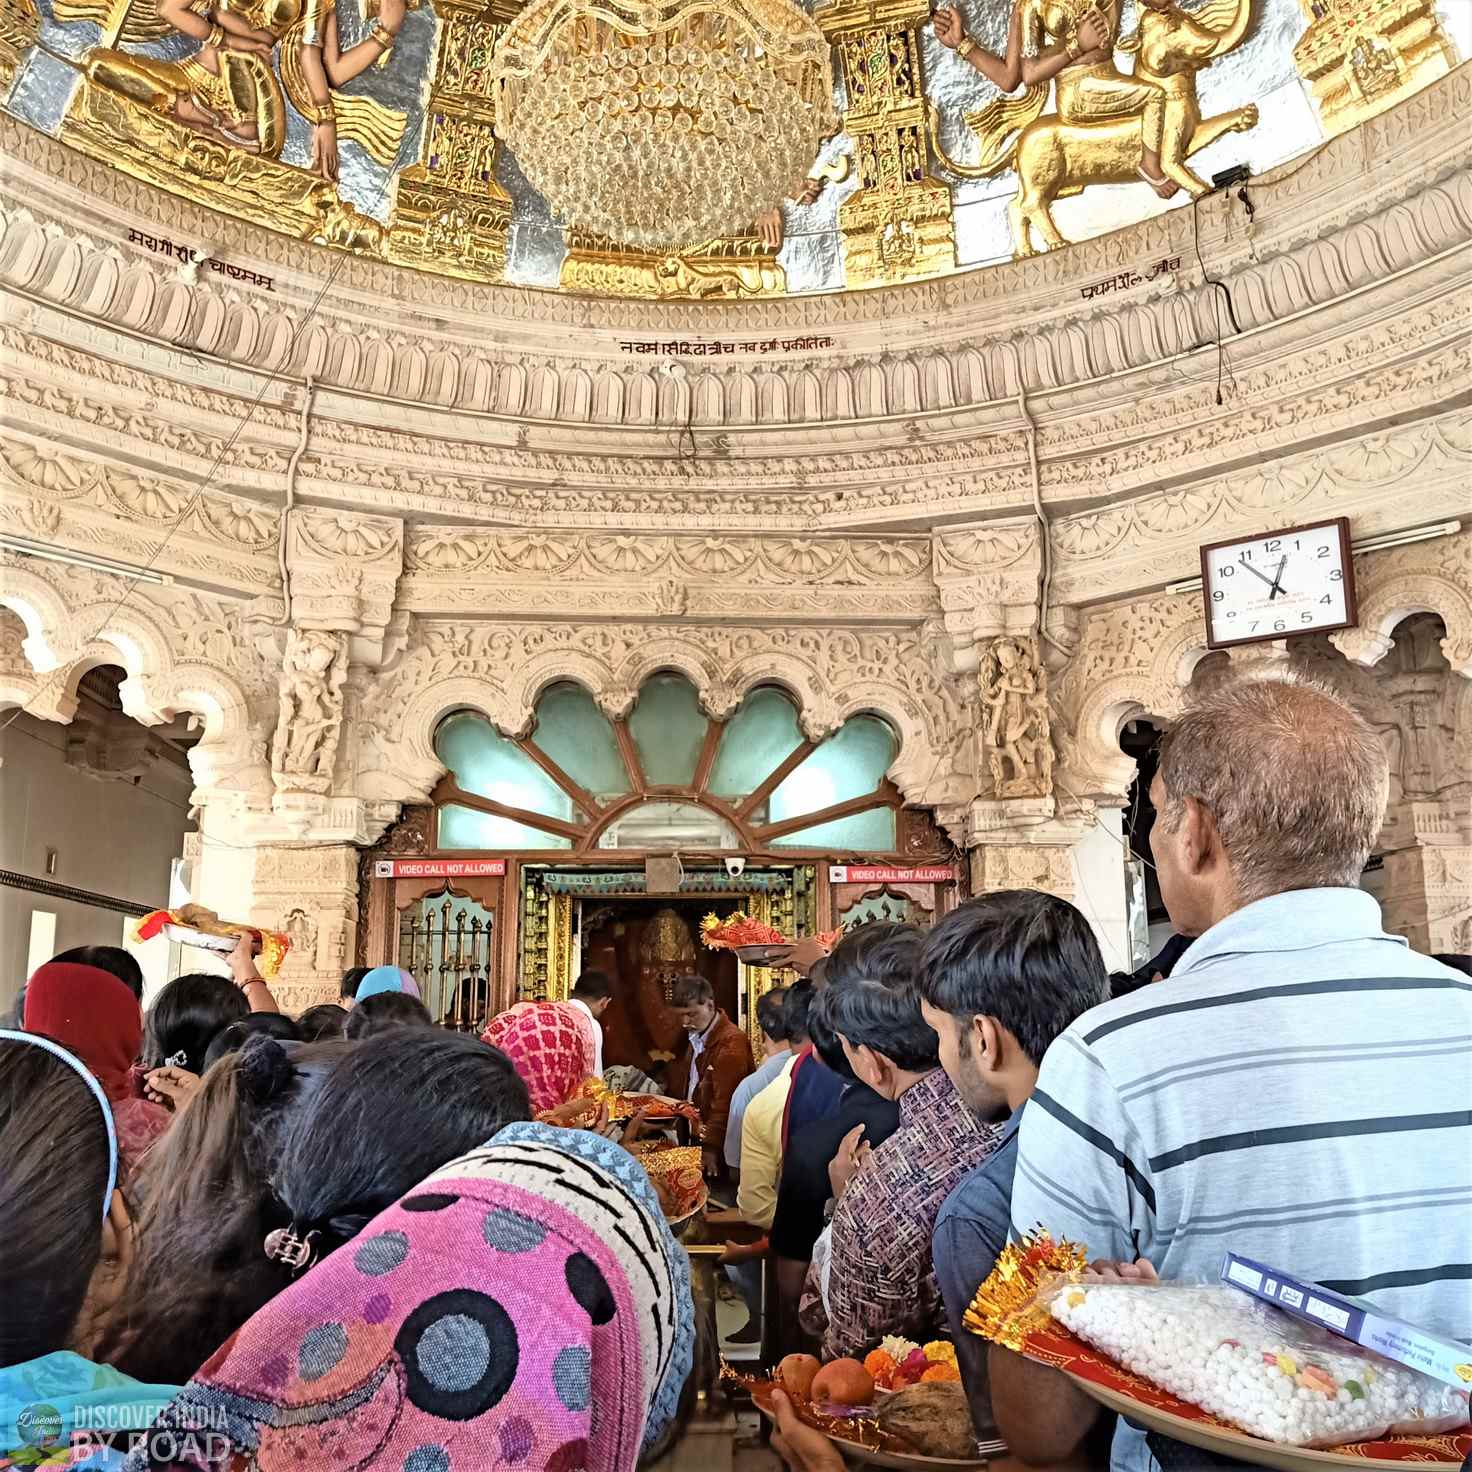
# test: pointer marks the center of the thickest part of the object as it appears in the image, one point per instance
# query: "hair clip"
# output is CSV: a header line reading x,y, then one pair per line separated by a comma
x,y
177,1060
283,1245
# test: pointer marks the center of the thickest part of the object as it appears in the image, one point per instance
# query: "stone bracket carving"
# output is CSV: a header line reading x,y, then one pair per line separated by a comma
x,y
343,569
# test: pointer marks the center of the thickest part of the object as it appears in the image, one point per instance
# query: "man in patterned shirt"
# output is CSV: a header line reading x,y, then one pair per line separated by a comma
x,y
881,1279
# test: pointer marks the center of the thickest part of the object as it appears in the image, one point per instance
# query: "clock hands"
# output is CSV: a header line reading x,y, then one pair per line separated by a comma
x,y
1273,584
1277,584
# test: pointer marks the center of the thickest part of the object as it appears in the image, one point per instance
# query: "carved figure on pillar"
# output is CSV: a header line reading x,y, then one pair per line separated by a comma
x,y
309,710
1019,737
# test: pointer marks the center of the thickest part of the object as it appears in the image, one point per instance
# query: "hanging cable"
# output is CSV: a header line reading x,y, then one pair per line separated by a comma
x,y
290,504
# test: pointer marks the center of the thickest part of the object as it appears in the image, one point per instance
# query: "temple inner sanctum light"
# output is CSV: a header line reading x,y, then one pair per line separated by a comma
x,y
798,549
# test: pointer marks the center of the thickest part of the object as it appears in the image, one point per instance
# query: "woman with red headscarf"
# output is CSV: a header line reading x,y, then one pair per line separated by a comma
x,y
96,1016
548,1048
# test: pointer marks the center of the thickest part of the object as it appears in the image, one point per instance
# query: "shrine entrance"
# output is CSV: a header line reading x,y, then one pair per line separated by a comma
x,y
530,865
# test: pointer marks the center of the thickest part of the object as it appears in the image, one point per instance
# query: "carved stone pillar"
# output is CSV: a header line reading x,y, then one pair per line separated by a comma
x,y
311,893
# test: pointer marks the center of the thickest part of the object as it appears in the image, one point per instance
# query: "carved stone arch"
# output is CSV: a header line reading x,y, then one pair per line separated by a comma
x,y
790,674
543,671
99,282
275,343
173,307
1363,255
1400,230
23,248
1073,352
442,377
806,400
575,403
971,377
208,321
904,386
608,397
510,388
771,397
541,393
60,267
135,297
870,399
641,399
936,388
1098,768
478,386
242,330
685,657
838,393
1006,369
411,769
1287,290
377,371
1388,602
1326,274
1109,349
741,399
674,400
48,622
123,635
410,371
1442,226
228,752
710,400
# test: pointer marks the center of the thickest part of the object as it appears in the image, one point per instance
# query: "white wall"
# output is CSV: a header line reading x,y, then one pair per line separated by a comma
x,y
1100,890
111,837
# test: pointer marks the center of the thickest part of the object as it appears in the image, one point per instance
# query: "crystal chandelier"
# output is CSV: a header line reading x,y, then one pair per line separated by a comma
x,y
662,123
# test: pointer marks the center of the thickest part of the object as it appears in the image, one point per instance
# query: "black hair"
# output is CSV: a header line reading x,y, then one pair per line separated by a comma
x,y
1027,959
797,1006
231,1039
593,986
885,951
185,1017
823,1035
888,1020
200,1269
350,980
325,1020
1456,962
53,1140
691,991
771,1014
112,959
399,1105
384,1010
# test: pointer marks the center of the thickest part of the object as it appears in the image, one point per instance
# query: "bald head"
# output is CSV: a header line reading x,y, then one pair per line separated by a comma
x,y
1287,780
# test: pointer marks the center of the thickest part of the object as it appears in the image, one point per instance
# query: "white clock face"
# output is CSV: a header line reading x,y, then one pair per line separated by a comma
x,y
1273,586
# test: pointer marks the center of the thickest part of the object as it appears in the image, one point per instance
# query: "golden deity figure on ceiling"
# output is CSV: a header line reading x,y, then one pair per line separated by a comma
x,y
219,118
1110,126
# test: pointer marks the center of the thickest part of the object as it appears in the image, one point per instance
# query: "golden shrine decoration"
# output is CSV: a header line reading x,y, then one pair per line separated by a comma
x,y
658,123
1361,56
897,227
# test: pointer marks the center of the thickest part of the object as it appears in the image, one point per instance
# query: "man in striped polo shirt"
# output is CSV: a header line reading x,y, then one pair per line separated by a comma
x,y
1299,1091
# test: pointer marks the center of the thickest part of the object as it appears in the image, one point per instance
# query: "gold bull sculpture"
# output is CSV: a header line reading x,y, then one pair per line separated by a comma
x,y
1059,154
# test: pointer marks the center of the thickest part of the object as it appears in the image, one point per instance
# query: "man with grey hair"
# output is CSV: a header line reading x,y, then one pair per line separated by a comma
x,y
1300,1090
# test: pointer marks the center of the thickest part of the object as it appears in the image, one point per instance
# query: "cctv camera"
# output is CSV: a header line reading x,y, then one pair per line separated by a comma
x,y
735,867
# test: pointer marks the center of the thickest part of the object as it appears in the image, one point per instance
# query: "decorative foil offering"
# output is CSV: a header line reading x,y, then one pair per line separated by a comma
x,y
193,925
1254,1367
1205,1364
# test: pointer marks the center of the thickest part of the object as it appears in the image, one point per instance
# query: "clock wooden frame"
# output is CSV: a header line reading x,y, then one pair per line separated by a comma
x,y
1340,524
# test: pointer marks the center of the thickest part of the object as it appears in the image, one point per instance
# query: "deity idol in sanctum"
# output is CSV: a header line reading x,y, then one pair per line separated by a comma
x,y
228,89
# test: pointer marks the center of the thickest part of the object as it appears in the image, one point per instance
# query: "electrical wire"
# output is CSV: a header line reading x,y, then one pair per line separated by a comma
x,y
271,378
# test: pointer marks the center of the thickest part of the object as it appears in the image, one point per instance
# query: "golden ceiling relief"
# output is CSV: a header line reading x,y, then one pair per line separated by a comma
x,y
369,125
1105,119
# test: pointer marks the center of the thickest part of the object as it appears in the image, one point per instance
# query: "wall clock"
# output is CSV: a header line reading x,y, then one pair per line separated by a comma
x,y
1298,581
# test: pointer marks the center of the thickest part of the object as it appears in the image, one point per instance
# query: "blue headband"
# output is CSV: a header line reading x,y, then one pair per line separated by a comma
x,y
72,1061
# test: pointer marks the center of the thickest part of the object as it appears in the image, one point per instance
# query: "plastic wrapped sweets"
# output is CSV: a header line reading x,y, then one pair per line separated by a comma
x,y
1253,1366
